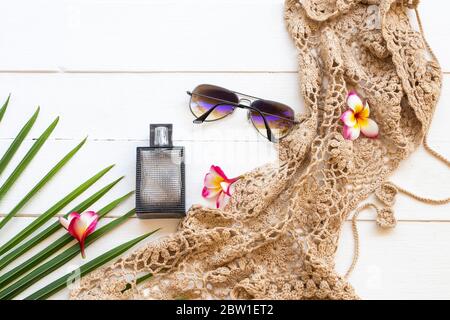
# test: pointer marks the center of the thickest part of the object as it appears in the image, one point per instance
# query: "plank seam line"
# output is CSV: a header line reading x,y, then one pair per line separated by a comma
x,y
175,140
61,71
347,220
146,140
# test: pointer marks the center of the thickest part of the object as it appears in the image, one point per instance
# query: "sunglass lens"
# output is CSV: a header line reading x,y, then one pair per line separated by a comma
x,y
279,117
206,97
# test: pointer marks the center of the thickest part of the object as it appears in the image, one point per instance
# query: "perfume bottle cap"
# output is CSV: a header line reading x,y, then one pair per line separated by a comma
x,y
161,135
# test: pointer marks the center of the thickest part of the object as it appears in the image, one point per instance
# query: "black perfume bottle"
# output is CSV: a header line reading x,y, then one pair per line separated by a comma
x,y
160,176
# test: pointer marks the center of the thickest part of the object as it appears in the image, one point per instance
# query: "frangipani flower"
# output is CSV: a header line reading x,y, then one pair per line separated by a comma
x,y
217,185
80,226
356,119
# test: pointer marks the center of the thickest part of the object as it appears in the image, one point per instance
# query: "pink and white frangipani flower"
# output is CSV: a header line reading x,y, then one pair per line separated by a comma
x,y
216,184
80,226
356,119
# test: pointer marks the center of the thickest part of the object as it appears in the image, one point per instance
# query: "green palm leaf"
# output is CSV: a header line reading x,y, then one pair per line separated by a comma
x,y
59,284
4,107
138,281
4,161
27,159
53,248
41,183
14,248
58,261
43,218
20,250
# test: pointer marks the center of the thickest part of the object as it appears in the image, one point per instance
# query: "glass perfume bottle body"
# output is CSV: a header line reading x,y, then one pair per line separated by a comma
x,y
160,177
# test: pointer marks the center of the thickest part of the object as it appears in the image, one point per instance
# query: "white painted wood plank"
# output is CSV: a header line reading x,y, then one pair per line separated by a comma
x,y
426,177
434,16
151,35
162,35
104,98
119,106
438,131
32,35
404,263
408,262
420,174
233,157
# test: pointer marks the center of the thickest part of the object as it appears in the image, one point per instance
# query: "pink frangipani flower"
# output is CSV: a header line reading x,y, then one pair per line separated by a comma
x,y
80,226
217,185
356,119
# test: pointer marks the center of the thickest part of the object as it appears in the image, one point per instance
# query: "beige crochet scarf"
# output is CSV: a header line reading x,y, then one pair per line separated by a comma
x,y
277,237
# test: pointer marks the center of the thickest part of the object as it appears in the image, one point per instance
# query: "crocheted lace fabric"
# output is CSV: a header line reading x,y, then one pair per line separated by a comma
x,y
278,235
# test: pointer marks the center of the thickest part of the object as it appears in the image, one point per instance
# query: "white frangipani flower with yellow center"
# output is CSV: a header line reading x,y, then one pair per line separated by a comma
x,y
356,119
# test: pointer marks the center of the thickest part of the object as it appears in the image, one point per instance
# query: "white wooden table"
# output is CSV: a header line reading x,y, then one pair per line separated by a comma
x,y
110,67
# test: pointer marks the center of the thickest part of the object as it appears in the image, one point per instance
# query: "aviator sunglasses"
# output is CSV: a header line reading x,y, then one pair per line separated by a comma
x,y
273,120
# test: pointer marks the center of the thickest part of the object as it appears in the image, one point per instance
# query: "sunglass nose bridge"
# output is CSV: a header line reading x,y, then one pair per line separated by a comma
x,y
244,102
